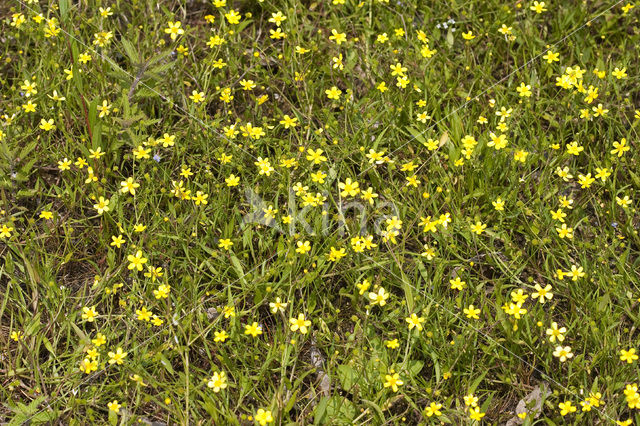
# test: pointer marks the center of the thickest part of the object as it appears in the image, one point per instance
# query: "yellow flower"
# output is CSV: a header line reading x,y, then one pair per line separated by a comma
x,y
398,69
186,172
300,324
520,155
102,38
333,93
105,109
585,181
628,356
524,90
478,227
564,231
89,314
303,247
138,227
218,381
105,13
288,122
141,153
475,414
619,73
277,305
254,329
393,381
602,173
414,321
225,244
498,142
468,35
363,286
29,106
566,407
369,195
538,7
233,17
338,37
117,357
88,365
47,215
277,18
558,215
379,298
392,344
162,292
315,156
144,314
599,111
129,186
220,336
556,333
47,125
167,140
349,188
471,312
457,284
136,262
563,353
623,202
232,180
229,311
412,181
542,294
619,148
17,19
174,30
504,30
336,254
263,417
200,198
433,409
197,97
99,340
264,166
214,41
114,406
470,400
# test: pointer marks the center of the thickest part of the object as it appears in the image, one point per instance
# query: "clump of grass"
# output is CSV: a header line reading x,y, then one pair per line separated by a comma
x,y
332,212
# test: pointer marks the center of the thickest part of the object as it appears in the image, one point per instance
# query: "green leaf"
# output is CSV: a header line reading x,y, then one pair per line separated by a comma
x,y
93,116
414,367
161,69
165,363
417,135
291,401
130,51
334,410
408,291
238,267
64,9
113,418
450,38
27,149
348,377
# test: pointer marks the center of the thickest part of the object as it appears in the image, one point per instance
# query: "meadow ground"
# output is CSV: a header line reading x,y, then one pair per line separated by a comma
x,y
319,212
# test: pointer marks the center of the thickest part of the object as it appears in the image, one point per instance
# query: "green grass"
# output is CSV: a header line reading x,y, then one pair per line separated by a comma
x,y
128,91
